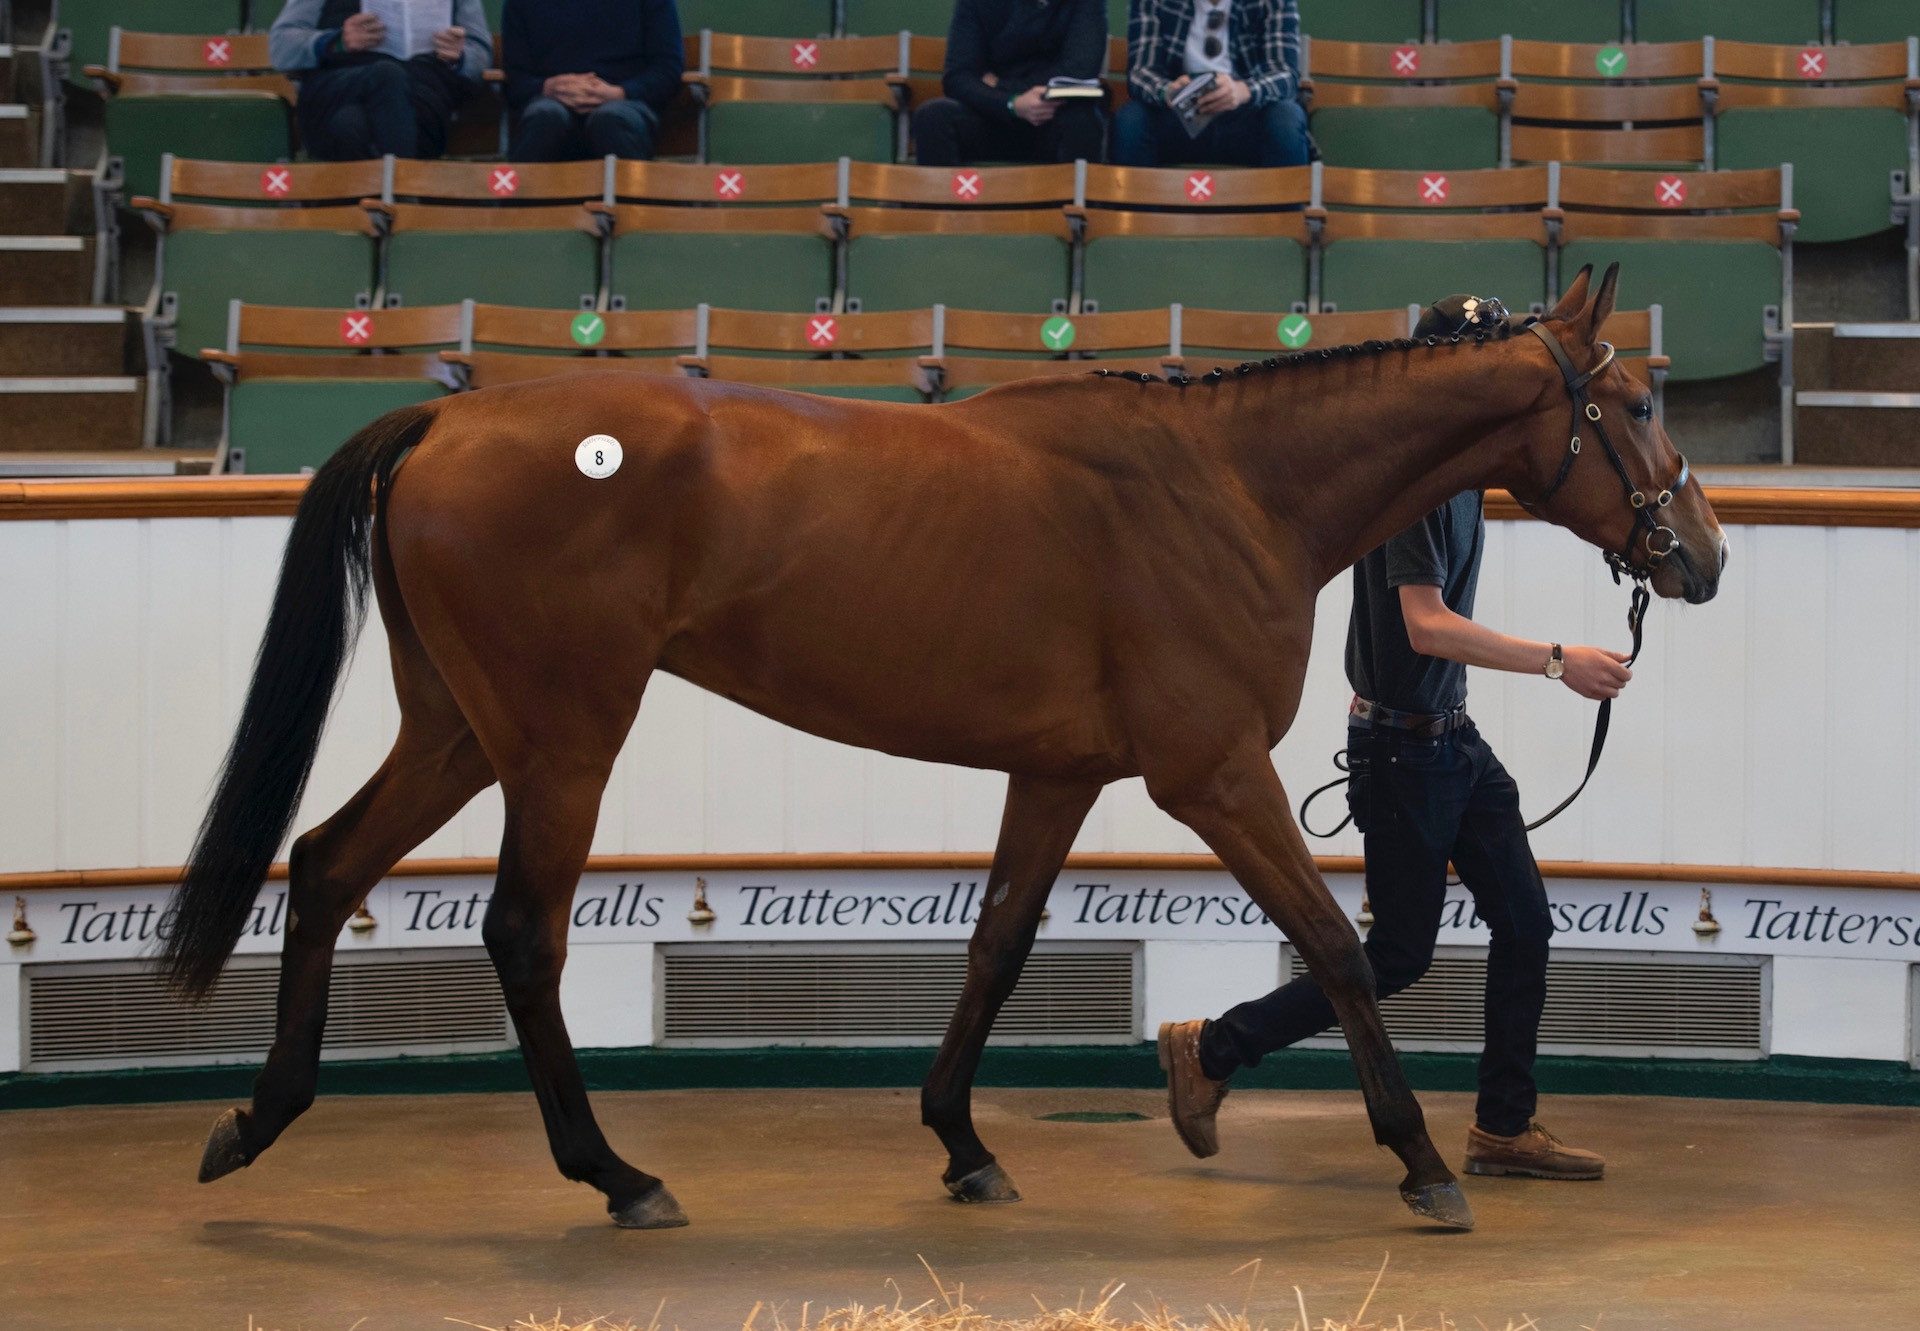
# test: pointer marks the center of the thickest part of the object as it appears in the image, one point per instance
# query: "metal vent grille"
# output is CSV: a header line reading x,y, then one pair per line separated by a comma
x,y
1597,1002
121,1015
887,994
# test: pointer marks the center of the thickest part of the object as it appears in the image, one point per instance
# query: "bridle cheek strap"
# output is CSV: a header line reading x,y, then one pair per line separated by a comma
x,y
1661,540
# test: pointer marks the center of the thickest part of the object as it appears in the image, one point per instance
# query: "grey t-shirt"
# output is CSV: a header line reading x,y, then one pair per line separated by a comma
x,y
1441,550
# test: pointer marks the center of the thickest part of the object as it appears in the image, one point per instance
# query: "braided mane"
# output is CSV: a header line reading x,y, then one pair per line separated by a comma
x,y
1500,332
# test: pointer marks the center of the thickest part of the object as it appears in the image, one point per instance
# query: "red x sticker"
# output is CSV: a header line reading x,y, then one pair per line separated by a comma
x,y
217,51
1406,60
504,181
806,55
1671,192
1434,189
1813,63
966,184
356,328
277,181
824,331
1200,186
729,184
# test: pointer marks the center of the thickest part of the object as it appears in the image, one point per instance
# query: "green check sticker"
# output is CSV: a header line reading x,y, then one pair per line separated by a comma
x,y
588,328
1296,330
1611,61
1056,334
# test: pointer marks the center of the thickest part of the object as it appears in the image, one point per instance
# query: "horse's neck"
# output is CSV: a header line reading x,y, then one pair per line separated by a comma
x,y
1346,454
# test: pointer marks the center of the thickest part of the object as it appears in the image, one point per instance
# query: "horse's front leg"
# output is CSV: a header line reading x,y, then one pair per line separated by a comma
x,y
1036,830
1240,810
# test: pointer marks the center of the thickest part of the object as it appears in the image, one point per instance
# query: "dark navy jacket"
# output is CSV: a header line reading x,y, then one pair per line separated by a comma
x,y
633,43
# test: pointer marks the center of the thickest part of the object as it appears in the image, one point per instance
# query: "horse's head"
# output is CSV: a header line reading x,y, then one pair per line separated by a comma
x,y
1598,461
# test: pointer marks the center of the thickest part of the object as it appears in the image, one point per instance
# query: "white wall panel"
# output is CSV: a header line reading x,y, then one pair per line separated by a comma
x,y
127,648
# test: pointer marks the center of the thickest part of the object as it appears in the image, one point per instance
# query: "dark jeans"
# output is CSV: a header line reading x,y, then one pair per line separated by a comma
x,y
1270,135
547,131
1419,804
351,112
950,133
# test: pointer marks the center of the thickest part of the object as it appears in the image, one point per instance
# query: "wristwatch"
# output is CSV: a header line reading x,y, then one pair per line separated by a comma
x,y
1556,663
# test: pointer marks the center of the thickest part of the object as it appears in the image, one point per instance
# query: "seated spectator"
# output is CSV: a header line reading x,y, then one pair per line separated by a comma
x,y
1000,54
589,77
358,100
1253,49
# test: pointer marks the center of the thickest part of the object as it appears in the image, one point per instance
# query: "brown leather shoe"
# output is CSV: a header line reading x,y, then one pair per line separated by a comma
x,y
1535,1153
1192,1095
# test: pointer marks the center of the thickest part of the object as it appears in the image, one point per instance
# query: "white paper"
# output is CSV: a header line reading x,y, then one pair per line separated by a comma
x,y
410,24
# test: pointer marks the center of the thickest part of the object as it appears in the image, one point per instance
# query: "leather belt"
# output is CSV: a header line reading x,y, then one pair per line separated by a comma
x,y
1419,725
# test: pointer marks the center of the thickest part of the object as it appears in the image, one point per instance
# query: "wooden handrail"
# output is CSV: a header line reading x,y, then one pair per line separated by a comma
x,y
891,861
262,496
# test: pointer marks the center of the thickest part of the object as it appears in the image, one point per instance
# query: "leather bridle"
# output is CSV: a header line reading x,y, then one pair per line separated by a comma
x,y
1661,540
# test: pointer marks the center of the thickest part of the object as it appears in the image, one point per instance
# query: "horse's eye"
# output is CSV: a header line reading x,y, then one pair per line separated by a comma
x,y
1642,410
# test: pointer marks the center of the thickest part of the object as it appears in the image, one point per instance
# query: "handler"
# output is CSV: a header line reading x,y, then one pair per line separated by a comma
x,y
1426,789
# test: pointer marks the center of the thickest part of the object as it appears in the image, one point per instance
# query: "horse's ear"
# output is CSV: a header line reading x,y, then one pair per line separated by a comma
x,y
1576,298
1602,308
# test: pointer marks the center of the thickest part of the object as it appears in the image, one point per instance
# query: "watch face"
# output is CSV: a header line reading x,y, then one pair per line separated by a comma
x,y
1555,668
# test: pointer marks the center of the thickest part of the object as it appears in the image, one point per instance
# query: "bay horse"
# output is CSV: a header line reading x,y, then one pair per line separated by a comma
x,y
1069,580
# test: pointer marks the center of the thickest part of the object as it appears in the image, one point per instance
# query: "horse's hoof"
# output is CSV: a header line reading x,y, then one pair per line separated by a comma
x,y
1442,1203
651,1210
989,1183
226,1148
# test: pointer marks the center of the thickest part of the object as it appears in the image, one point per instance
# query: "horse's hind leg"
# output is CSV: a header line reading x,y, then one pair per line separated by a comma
x,y
1241,812
1036,831
550,821
435,767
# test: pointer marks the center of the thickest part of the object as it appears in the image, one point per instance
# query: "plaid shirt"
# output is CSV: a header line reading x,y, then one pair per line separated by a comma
x,y
1262,35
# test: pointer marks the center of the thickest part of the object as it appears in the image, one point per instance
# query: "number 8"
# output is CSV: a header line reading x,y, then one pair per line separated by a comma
x,y
599,457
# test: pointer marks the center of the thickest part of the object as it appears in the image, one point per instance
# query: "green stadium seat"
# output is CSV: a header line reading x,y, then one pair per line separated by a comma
x,y
878,357
1628,105
981,237
1120,11
1707,246
88,24
1397,21
301,381
1839,114
1532,20
759,18
210,95
1397,238
874,18
504,344
1405,106
1222,339
980,348
1860,21
1795,21
1228,239
1640,348
280,234
803,99
503,233
746,237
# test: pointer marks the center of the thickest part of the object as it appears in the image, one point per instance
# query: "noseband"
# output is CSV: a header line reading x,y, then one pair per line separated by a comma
x,y
1661,540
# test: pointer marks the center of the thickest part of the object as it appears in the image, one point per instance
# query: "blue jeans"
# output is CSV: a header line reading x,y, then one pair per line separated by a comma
x,y
1271,135
547,131
1420,803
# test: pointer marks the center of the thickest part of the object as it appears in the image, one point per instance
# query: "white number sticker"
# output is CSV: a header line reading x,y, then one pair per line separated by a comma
x,y
598,456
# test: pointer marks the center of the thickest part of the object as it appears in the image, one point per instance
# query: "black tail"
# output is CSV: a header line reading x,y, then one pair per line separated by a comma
x,y
316,615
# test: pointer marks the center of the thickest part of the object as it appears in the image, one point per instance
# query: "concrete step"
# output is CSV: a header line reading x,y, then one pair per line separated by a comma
x,y
19,136
1839,428
1880,357
79,414
38,201
8,63
109,462
66,340
46,270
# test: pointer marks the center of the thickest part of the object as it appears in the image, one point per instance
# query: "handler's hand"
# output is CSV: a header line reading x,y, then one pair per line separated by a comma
x,y
1595,672
1227,94
362,32
450,44
1033,107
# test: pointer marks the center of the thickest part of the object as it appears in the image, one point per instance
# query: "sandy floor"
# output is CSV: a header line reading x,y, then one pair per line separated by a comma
x,y
400,1212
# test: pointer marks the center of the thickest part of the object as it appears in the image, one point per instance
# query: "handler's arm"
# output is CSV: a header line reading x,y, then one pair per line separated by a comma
x,y
1434,630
